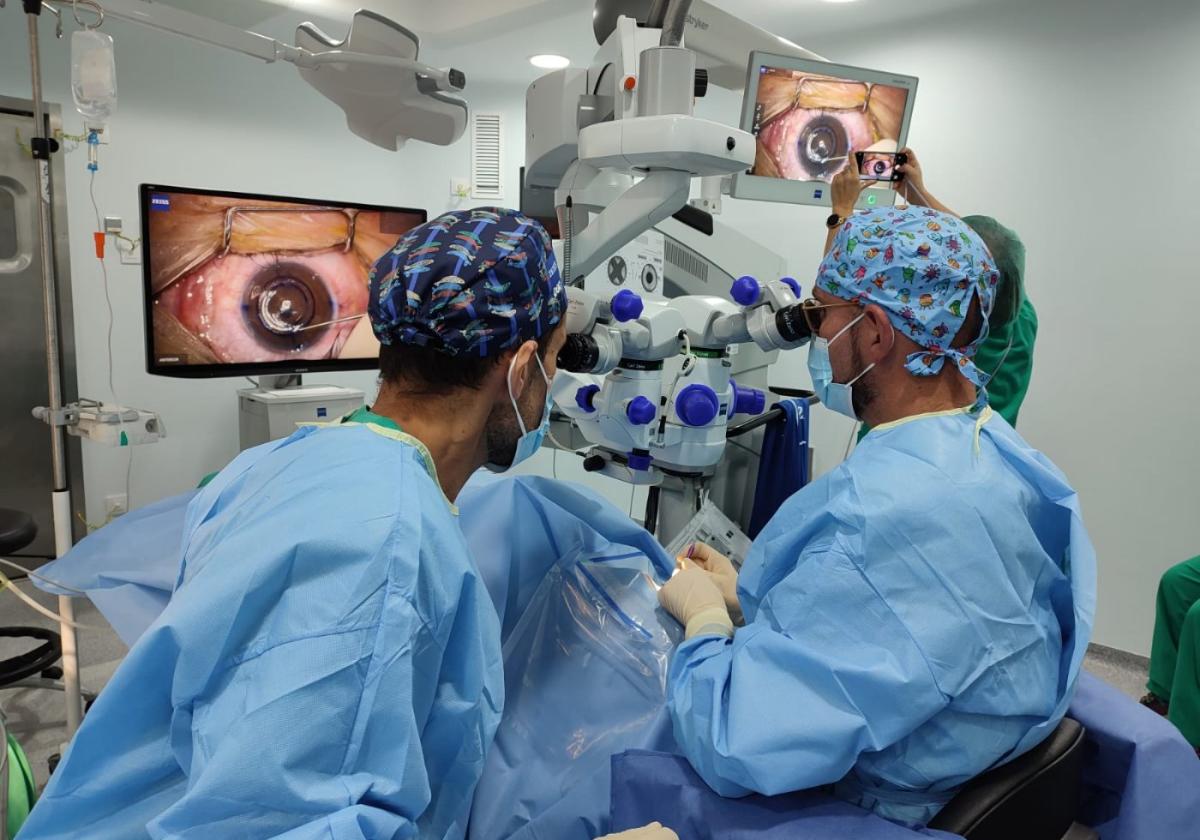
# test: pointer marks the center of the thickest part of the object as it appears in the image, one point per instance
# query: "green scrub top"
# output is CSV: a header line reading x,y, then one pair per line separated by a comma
x,y
1007,388
365,415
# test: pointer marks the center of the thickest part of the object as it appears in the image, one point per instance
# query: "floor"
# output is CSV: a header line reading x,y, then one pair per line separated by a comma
x,y
37,717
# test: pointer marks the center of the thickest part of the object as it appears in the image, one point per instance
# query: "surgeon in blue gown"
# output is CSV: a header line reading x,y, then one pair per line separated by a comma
x,y
919,614
329,665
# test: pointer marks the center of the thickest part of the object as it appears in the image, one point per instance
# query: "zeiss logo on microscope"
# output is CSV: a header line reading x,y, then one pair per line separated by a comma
x,y
160,202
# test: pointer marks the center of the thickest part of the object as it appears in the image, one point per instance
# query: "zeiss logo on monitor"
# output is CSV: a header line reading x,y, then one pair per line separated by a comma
x,y
160,202
818,193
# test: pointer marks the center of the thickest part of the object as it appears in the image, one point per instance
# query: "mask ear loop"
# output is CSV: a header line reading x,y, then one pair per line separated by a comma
x,y
871,366
512,397
1000,364
512,366
842,331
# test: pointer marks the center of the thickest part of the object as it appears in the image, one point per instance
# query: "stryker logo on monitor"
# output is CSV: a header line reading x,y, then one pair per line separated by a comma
x,y
160,202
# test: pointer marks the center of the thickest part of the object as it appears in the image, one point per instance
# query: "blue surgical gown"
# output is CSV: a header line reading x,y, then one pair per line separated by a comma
x,y
329,665
914,617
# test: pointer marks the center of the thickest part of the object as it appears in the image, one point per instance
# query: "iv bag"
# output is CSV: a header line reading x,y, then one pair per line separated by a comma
x,y
93,74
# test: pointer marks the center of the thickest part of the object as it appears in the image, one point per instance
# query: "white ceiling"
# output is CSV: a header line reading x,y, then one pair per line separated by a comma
x,y
491,40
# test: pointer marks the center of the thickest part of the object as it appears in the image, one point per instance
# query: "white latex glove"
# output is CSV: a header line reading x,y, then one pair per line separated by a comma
x,y
724,575
692,596
654,831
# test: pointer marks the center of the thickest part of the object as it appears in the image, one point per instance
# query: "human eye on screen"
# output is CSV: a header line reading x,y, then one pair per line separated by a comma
x,y
815,126
273,305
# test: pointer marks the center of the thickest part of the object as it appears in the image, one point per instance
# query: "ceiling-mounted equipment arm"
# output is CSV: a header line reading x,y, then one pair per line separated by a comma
x,y
674,21
373,74
722,41
214,33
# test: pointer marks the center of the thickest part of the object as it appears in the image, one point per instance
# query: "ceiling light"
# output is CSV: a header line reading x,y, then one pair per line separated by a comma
x,y
550,61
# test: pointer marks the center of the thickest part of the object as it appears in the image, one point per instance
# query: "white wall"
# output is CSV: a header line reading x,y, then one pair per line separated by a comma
x,y
1076,122
197,116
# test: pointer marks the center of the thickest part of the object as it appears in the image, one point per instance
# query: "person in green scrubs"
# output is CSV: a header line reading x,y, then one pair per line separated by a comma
x,y
1007,353
1175,652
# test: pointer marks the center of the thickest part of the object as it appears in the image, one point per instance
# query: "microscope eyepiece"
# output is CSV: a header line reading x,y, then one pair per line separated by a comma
x,y
579,354
792,324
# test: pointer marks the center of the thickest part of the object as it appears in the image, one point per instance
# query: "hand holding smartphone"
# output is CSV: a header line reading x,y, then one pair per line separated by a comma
x,y
880,166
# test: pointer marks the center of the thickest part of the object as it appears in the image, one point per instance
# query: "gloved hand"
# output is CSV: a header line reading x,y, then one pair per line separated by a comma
x,y
723,572
654,831
694,599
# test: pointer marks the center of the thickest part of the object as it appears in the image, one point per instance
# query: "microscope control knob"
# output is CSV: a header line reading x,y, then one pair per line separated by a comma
x,y
626,306
791,283
697,405
640,460
640,411
747,400
745,291
585,397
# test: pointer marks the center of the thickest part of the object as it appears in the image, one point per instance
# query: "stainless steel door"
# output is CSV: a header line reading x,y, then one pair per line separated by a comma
x,y
25,469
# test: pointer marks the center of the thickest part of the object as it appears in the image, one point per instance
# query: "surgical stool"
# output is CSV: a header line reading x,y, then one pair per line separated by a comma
x,y
33,669
1033,797
18,530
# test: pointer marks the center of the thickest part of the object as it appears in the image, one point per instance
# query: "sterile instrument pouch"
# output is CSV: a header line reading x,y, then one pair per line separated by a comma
x,y
585,664
716,530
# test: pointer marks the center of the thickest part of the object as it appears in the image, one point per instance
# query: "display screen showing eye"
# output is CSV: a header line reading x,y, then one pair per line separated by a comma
x,y
271,307
237,280
809,126
878,166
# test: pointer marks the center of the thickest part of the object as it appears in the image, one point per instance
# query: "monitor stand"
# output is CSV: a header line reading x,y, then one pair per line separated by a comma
x,y
280,404
280,382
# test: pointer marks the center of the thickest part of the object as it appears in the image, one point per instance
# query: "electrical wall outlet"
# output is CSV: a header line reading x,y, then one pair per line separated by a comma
x,y
116,505
460,187
130,254
112,224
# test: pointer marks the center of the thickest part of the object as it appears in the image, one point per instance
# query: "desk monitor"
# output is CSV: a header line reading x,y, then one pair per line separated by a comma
x,y
238,284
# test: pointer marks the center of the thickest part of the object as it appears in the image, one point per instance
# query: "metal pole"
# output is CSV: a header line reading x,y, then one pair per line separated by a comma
x,y
61,497
5,770
652,499
674,22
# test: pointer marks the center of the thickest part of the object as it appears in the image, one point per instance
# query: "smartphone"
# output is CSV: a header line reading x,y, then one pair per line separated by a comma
x,y
879,166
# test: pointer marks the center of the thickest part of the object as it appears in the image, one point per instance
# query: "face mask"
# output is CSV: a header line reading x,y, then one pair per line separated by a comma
x,y
531,439
836,396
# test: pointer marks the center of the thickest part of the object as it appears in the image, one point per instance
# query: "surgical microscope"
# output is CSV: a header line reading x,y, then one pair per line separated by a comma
x,y
620,145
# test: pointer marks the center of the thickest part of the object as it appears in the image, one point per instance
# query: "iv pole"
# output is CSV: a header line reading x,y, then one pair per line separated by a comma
x,y
177,21
43,147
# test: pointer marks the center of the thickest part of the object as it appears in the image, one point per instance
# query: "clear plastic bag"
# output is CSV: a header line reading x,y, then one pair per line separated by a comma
x,y
585,677
713,528
93,75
